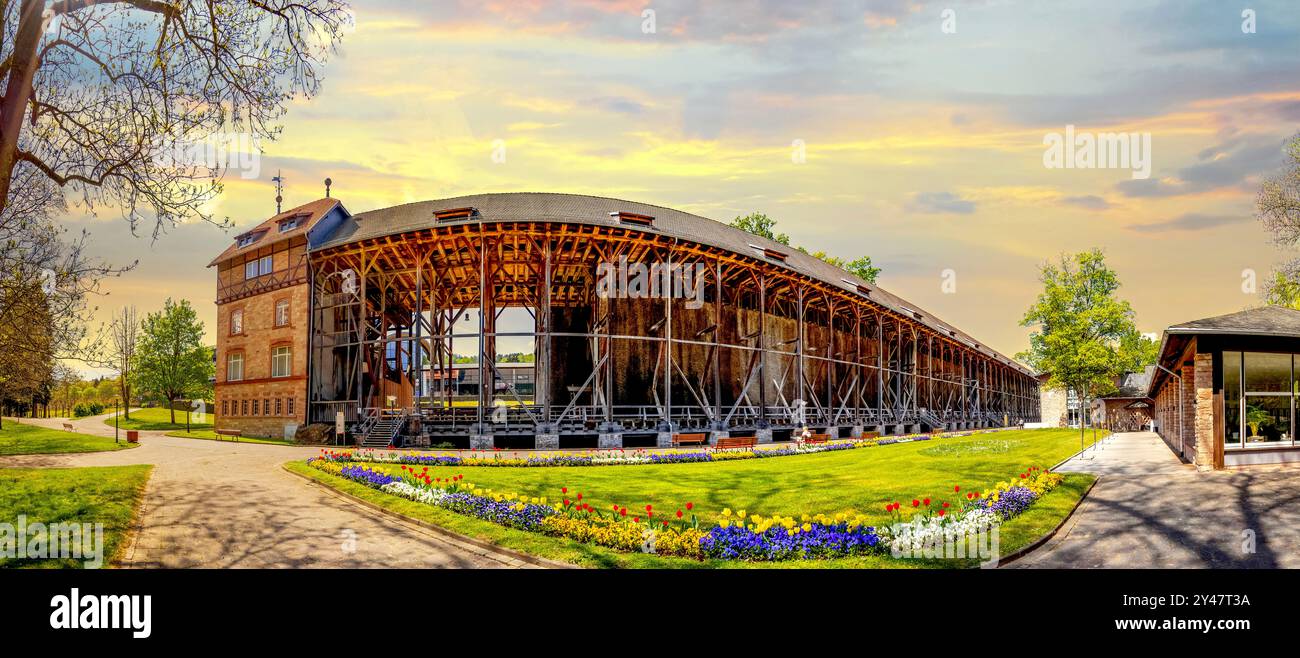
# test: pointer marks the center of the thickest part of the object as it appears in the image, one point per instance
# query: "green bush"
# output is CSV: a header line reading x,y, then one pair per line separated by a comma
x,y
84,409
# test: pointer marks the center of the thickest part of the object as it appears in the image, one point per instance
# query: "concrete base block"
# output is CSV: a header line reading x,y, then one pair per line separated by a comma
x,y
717,434
763,435
664,439
480,442
547,442
855,432
609,440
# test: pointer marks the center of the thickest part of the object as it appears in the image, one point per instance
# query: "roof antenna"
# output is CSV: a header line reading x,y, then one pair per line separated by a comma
x,y
328,182
279,188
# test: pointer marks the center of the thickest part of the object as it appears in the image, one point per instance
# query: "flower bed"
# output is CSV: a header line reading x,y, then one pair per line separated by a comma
x,y
735,536
623,457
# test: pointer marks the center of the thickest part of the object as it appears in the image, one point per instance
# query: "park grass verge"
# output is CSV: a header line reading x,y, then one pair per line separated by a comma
x,y
21,439
159,419
211,435
1015,535
109,495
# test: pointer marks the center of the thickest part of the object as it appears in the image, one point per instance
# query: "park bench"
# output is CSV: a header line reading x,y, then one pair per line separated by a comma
x,y
67,427
871,435
727,442
818,438
692,439
233,434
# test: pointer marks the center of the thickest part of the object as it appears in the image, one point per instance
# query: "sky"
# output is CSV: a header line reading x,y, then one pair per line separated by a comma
x,y
913,132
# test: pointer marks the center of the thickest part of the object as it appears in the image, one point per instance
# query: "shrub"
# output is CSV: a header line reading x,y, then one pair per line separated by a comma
x,y
84,409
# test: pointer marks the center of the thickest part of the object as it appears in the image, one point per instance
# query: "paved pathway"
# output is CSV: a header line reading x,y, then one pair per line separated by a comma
x,y
1151,510
225,504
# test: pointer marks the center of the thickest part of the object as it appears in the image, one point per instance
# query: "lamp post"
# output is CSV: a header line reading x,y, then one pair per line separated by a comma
x,y
115,421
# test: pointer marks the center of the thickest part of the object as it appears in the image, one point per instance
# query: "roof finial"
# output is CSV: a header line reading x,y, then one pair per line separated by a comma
x,y
279,189
328,182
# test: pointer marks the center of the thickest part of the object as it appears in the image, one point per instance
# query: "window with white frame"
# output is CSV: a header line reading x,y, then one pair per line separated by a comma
x,y
281,361
235,367
237,322
282,313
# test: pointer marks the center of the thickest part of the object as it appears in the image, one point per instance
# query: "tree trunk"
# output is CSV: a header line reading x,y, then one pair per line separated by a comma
x,y
171,404
18,92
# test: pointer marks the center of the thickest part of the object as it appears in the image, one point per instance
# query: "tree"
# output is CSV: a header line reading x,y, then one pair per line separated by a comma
x,y
863,269
760,225
1136,352
1081,326
123,333
172,361
1277,207
100,95
763,226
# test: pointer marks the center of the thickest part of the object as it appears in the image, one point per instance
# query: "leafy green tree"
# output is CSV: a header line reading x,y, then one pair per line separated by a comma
x,y
760,225
763,226
1080,326
1136,352
863,269
172,361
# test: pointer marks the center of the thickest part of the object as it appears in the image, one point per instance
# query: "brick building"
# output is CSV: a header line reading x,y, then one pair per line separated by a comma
x,y
1224,393
262,310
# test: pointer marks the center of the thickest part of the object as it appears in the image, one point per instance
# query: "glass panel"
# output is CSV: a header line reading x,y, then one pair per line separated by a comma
x,y
1268,373
1268,420
1232,399
250,269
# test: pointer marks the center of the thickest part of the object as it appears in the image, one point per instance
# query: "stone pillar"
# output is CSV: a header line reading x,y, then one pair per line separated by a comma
x,y
547,442
480,442
714,435
609,440
1203,416
1186,439
764,435
664,439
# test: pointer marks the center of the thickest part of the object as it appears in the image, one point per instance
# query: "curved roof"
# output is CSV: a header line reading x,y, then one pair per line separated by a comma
x,y
583,209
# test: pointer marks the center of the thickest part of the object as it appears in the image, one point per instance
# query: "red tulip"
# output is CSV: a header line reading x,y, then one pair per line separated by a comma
x,y
648,508
690,506
579,495
636,519
956,489
927,502
945,504
941,512
916,503
564,490
566,502
623,511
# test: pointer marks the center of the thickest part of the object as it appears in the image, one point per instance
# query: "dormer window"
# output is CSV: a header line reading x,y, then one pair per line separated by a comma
x,y
246,239
294,222
633,218
454,213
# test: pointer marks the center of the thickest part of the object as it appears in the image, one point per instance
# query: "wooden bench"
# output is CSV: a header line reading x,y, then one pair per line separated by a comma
x,y
67,427
818,438
233,434
690,439
871,435
728,442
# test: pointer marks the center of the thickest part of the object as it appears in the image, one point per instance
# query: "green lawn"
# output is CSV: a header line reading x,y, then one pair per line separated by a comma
x,y
211,435
21,439
156,418
860,481
108,495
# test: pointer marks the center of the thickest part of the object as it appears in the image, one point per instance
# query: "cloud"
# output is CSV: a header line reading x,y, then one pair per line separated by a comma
x,y
1187,222
1227,164
1087,202
940,202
